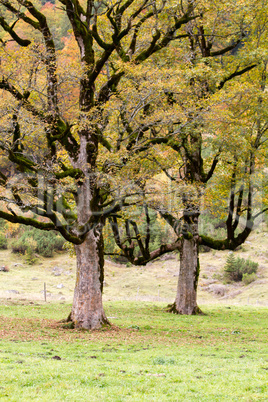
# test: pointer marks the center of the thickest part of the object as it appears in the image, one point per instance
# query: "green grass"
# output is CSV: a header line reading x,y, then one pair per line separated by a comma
x,y
148,355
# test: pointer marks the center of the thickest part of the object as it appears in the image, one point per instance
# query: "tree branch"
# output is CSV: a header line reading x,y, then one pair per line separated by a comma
x,y
213,167
226,49
12,33
237,73
7,86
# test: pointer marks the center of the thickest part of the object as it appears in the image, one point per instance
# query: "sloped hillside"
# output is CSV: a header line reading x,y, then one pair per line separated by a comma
x,y
156,282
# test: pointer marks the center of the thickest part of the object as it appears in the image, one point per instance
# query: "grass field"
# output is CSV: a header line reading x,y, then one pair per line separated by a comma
x,y
147,355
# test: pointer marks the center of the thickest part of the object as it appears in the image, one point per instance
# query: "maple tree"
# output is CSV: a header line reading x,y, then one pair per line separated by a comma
x,y
217,91
59,144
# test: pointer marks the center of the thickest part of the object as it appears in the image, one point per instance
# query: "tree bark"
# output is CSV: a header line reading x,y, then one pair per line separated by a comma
x,y
185,302
87,311
186,297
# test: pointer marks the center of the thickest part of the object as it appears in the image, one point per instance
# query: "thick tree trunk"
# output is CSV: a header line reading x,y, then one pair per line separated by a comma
x,y
186,298
87,311
185,302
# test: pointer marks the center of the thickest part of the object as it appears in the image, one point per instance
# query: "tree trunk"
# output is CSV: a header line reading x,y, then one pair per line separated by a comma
x,y
87,311
185,302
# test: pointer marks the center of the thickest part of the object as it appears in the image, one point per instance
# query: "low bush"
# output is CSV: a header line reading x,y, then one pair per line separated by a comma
x,y
2,224
18,246
235,268
33,240
30,255
3,242
248,278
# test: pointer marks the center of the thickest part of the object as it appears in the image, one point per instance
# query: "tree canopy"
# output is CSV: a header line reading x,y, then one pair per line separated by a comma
x,y
132,89
56,140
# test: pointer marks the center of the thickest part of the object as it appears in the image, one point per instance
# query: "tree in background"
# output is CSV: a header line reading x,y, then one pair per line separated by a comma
x,y
217,88
58,144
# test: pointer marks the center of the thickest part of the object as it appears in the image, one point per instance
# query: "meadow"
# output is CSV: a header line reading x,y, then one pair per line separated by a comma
x,y
146,355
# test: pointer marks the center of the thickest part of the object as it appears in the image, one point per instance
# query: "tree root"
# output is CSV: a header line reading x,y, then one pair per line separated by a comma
x,y
172,308
71,324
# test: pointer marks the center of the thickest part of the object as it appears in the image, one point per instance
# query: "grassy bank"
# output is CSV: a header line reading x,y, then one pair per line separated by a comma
x,y
147,355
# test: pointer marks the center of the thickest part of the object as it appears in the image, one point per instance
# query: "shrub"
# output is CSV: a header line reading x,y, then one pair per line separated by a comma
x,y
59,242
2,224
248,278
235,268
18,246
3,242
43,243
30,256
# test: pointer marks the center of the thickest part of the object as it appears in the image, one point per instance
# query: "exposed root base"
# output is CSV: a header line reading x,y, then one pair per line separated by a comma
x,y
71,324
69,318
172,308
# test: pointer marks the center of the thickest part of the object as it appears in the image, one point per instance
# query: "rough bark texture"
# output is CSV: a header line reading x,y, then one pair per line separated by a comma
x,y
185,302
87,311
186,297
